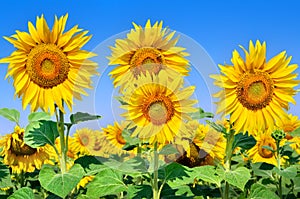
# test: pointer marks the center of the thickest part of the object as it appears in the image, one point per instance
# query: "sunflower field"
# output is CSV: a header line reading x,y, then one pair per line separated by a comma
x,y
165,146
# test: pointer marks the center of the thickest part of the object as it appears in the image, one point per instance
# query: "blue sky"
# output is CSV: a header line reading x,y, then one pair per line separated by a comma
x,y
210,30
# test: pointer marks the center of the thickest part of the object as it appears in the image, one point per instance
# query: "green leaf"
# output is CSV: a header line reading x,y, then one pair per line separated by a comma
x,y
244,141
106,182
37,116
168,150
239,177
217,127
206,173
263,170
131,142
139,191
60,184
10,114
82,117
295,133
289,172
23,193
259,191
201,114
5,178
39,133
173,170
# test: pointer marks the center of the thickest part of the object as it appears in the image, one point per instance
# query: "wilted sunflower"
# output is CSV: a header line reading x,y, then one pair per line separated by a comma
x,y
260,154
114,134
21,157
49,66
84,140
150,49
288,125
159,108
256,91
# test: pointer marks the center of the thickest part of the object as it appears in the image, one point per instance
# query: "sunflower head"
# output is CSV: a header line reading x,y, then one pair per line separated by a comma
x,y
84,140
147,50
114,134
158,108
288,125
48,66
255,91
21,157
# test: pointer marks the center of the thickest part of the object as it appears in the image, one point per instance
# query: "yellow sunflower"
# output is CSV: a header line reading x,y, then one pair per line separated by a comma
x,y
255,90
150,49
114,134
84,181
84,140
210,142
21,157
288,125
159,108
260,154
49,66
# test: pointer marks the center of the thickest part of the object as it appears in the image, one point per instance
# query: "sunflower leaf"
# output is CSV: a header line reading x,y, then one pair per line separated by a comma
x,y
172,171
201,114
60,184
5,178
206,173
295,133
259,191
24,193
244,141
82,117
217,127
36,116
106,182
39,133
239,177
168,150
10,114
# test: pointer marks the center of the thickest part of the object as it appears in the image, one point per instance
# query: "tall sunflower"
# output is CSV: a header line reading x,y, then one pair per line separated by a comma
x,y
255,91
260,154
49,66
150,49
158,108
84,140
288,125
21,157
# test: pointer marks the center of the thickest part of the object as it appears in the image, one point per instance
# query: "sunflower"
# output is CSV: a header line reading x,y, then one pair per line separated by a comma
x,y
20,157
84,140
114,134
49,66
256,91
260,154
150,49
158,108
84,181
101,146
288,125
211,144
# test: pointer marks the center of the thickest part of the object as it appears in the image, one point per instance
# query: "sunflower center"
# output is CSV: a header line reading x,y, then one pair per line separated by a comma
x,y
120,138
158,110
255,90
146,59
21,149
84,140
266,153
47,66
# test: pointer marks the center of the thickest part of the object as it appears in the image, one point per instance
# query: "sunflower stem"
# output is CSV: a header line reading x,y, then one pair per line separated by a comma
x,y
61,131
279,168
155,189
228,151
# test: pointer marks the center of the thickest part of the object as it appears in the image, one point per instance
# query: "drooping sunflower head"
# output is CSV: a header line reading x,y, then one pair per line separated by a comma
x,y
20,157
256,91
158,108
49,66
260,154
84,140
114,134
150,49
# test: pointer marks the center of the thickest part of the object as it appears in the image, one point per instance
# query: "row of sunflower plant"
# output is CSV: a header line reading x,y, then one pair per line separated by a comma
x,y
160,149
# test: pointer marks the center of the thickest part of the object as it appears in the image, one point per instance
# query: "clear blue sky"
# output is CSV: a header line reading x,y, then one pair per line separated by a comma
x,y
214,27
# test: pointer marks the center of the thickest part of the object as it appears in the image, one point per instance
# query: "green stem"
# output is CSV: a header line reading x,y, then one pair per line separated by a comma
x,y
61,131
279,168
228,152
155,189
